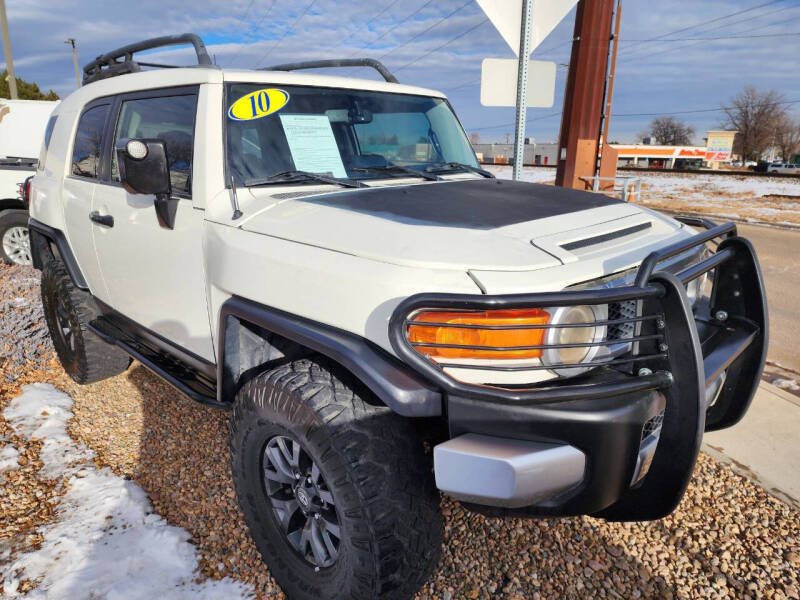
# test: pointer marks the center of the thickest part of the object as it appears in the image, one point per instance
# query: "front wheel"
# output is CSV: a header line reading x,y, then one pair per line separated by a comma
x,y
337,492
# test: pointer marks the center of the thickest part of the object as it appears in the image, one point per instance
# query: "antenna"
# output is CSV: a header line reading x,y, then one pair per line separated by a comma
x,y
235,200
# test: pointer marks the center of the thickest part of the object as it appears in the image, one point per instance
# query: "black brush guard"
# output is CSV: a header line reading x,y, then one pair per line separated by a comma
x,y
674,356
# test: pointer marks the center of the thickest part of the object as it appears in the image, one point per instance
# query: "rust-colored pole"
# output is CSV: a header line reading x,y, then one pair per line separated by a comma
x,y
611,73
583,99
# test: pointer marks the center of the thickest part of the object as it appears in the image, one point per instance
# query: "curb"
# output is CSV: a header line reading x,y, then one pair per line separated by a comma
x,y
781,393
784,226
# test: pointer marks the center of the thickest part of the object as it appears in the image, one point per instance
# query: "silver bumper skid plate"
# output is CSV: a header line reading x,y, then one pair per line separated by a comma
x,y
505,472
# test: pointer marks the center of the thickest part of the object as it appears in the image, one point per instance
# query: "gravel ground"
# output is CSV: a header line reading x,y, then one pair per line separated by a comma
x,y
728,539
23,332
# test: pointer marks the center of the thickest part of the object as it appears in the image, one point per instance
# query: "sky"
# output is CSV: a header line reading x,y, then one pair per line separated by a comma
x,y
440,44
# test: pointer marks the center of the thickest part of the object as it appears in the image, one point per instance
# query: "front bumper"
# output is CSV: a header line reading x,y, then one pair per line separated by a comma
x,y
637,422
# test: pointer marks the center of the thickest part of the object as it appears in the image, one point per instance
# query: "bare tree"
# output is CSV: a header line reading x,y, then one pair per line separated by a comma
x,y
670,131
756,116
787,137
474,138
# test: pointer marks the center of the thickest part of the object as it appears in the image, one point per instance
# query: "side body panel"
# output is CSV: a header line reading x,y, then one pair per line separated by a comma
x,y
153,275
339,290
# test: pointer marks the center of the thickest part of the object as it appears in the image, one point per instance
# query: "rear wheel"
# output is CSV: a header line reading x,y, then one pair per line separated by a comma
x,y
85,357
15,245
337,492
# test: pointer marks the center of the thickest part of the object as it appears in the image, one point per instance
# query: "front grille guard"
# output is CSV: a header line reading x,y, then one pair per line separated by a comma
x,y
647,365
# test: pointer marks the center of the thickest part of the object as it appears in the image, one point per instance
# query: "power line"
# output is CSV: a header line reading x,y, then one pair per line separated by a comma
x,y
362,26
424,31
726,37
286,32
698,110
555,114
695,43
399,23
256,28
656,114
715,20
447,43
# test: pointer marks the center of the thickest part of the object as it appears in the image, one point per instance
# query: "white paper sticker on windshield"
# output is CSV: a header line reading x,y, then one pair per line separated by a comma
x,y
312,144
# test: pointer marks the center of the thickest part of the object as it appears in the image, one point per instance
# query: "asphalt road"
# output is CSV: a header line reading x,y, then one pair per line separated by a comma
x,y
779,253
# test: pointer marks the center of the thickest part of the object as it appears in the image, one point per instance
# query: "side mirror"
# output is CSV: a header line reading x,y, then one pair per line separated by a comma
x,y
144,169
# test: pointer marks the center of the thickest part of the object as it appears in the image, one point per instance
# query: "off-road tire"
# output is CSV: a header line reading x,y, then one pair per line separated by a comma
x,y
88,358
374,465
8,219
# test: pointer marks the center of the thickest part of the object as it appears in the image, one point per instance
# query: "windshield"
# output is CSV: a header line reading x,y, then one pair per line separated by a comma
x,y
346,134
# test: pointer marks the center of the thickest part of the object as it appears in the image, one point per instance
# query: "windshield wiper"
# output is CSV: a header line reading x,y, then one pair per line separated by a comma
x,y
456,166
299,176
400,168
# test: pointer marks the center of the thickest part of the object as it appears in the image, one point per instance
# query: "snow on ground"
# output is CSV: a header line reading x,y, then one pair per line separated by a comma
x,y
105,541
9,457
773,200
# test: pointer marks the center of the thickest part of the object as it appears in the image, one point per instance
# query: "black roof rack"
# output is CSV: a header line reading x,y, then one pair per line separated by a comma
x,y
120,61
336,62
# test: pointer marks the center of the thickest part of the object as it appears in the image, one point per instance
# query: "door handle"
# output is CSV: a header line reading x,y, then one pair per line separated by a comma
x,y
106,220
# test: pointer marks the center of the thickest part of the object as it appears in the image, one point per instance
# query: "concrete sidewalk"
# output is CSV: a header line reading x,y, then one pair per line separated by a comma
x,y
765,445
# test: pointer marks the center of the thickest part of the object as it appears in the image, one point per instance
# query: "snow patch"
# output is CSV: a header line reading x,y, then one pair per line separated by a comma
x,y
8,458
105,541
41,412
787,384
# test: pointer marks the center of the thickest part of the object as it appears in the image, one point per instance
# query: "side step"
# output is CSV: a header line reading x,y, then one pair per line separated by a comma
x,y
180,376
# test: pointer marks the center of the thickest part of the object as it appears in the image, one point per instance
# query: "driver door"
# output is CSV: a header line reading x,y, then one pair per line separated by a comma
x,y
155,276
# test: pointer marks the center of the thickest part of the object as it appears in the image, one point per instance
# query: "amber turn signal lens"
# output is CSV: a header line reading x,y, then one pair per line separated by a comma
x,y
427,338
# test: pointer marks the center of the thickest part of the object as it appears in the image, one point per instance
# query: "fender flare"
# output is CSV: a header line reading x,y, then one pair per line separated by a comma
x,y
42,233
391,380
12,204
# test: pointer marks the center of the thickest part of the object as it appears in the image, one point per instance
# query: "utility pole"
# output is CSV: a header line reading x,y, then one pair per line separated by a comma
x,y
607,167
71,41
583,99
522,87
12,78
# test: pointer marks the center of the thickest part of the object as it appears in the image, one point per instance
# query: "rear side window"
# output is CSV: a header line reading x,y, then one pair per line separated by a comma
x,y
168,118
48,133
87,150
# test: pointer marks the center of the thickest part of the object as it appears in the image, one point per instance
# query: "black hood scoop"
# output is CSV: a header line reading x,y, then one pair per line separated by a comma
x,y
474,204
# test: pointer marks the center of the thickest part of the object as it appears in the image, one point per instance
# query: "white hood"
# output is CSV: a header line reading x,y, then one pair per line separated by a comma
x,y
477,225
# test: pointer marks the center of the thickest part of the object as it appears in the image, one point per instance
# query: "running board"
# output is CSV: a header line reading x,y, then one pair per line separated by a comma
x,y
183,378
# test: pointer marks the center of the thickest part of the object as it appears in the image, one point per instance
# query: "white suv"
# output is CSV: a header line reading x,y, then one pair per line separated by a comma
x,y
789,168
325,257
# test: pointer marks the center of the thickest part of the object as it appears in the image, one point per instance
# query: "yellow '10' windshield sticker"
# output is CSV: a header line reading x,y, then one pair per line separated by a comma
x,y
260,103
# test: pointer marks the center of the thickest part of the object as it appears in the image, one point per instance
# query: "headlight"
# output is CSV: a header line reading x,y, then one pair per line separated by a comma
x,y
574,343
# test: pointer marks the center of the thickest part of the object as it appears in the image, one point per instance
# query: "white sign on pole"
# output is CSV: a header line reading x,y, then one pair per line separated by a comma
x,y
499,82
506,16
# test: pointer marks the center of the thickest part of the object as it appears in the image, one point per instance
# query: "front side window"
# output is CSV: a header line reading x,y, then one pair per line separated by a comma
x,y
88,147
167,118
338,133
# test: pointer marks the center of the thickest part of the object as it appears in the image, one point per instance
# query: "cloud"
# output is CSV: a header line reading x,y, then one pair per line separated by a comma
x,y
661,76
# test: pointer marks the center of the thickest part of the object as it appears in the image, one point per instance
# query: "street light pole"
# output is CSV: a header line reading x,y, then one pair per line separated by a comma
x,y
12,78
71,41
522,87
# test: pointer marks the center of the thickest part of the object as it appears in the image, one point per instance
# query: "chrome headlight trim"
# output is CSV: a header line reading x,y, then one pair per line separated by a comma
x,y
552,356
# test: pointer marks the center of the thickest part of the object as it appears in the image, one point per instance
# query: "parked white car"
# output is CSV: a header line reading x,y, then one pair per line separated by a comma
x,y
22,128
324,257
789,168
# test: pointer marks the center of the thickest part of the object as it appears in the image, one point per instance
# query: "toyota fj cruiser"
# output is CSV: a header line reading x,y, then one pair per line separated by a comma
x,y
324,257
